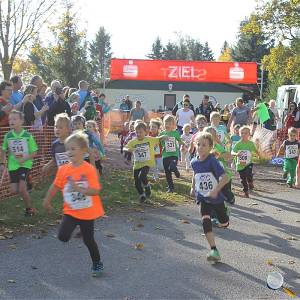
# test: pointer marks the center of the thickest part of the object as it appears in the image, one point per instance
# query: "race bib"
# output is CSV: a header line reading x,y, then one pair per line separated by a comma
x,y
77,200
142,152
291,151
205,182
18,147
170,144
244,157
61,158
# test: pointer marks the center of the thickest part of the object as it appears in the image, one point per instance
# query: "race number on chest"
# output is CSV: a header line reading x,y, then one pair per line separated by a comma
x,y
170,144
61,158
75,199
18,146
142,152
205,182
244,157
291,151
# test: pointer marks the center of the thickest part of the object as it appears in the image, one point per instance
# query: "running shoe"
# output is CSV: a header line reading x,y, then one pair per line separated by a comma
x,y
213,255
97,269
148,190
142,198
29,212
170,190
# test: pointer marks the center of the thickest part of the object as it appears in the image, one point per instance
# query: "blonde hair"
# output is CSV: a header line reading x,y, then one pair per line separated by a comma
x,y
78,138
245,128
239,99
186,125
17,112
140,125
205,136
157,122
169,118
214,114
292,130
63,118
200,117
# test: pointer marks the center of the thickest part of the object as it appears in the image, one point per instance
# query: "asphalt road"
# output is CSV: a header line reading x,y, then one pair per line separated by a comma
x,y
172,264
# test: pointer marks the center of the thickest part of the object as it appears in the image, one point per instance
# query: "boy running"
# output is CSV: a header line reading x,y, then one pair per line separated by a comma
x,y
291,154
208,180
21,148
223,136
78,181
243,151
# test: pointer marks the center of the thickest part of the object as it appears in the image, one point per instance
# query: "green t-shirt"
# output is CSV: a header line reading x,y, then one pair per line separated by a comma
x,y
170,144
220,149
17,145
143,151
245,152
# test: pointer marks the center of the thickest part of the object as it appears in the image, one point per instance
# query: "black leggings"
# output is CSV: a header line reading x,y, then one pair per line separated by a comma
x,y
227,192
246,176
68,225
170,165
140,177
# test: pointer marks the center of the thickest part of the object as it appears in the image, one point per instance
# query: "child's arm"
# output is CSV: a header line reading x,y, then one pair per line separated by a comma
x,y
280,149
49,166
50,195
222,182
192,192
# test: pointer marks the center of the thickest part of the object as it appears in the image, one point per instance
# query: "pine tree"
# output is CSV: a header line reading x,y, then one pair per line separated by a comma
x,y
157,50
100,54
225,53
207,53
170,51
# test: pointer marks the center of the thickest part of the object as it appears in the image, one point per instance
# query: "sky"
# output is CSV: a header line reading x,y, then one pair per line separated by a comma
x,y
135,24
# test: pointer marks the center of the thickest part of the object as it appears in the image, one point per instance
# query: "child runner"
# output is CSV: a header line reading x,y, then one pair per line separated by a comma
x,y
78,181
122,135
129,137
291,154
243,150
92,130
235,137
21,148
170,150
208,180
223,157
215,119
144,158
62,129
155,125
201,123
186,138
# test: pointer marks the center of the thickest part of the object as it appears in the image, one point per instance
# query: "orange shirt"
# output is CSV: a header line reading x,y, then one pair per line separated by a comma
x,y
76,204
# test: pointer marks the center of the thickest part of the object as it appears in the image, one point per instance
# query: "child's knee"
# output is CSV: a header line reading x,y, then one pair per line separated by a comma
x,y
206,223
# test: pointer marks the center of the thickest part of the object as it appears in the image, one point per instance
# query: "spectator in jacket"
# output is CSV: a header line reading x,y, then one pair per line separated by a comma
x,y
17,95
205,108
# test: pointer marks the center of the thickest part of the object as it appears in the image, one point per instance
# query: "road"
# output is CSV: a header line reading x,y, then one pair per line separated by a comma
x,y
172,264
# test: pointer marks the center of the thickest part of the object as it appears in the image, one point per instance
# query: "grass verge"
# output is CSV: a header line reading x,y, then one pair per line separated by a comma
x,y
118,194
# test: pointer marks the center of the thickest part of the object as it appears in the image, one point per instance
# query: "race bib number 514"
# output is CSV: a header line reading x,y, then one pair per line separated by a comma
x,y
18,147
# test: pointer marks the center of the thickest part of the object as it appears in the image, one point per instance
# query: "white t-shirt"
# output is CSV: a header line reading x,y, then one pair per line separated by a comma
x,y
184,117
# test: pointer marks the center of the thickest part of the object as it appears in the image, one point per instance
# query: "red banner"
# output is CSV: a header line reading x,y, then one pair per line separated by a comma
x,y
179,70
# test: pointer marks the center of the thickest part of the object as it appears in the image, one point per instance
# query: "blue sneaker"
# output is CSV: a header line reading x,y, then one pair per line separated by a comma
x,y
215,222
97,269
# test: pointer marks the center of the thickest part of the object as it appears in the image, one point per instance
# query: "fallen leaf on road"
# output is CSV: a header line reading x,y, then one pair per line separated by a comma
x,y
33,267
11,281
140,225
2,237
51,224
292,238
184,221
270,262
13,247
158,228
291,262
278,209
139,246
139,210
289,292
252,203
110,235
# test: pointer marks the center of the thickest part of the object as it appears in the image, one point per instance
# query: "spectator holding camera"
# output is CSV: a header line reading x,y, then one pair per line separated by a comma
x,y
58,106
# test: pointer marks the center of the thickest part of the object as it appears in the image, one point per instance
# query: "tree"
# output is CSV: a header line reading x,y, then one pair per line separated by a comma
x,y
195,49
23,67
66,58
170,51
225,53
157,50
207,52
251,46
20,20
100,54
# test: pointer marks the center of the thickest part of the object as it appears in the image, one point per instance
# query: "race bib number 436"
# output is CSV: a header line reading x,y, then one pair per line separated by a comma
x,y
18,146
205,182
77,200
142,152
170,144
291,151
